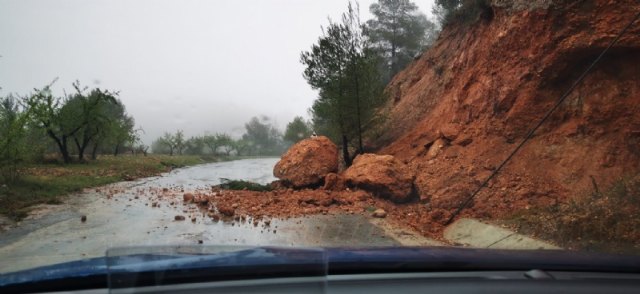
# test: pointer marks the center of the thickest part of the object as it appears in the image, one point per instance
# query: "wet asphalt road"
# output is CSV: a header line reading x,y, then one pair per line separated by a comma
x,y
57,234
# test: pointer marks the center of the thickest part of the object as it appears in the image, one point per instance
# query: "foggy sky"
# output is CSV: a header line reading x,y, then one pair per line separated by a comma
x,y
199,66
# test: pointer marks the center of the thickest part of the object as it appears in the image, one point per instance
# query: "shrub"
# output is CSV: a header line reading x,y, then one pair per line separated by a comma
x,y
13,148
463,11
598,221
228,184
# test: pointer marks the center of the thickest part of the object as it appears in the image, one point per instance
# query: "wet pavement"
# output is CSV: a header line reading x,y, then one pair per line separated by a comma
x,y
474,233
125,218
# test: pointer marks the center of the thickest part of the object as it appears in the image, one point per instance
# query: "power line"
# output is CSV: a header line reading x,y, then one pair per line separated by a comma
x,y
544,118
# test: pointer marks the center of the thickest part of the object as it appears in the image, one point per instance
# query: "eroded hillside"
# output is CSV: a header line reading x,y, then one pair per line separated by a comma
x,y
461,107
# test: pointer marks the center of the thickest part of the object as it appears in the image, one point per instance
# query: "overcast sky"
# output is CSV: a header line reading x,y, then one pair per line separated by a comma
x,y
199,66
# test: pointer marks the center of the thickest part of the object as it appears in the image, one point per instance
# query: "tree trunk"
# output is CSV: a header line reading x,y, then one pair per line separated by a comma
x,y
345,151
65,151
62,145
81,148
393,60
94,151
116,150
358,114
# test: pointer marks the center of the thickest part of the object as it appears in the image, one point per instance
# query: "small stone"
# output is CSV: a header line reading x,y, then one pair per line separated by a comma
x,y
200,241
83,218
464,141
379,213
226,210
234,206
179,218
326,202
333,182
187,197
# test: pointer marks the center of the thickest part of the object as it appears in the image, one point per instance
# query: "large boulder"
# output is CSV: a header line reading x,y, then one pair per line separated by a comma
x,y
307,162
382,175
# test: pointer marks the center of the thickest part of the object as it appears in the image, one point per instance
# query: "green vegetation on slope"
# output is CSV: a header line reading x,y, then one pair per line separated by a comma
x,y
606,220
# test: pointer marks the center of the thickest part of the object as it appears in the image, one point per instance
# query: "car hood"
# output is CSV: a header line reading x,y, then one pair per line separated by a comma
x,y
232,263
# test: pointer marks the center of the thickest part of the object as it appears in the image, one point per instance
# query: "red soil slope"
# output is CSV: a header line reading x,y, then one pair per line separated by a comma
x,y
482,86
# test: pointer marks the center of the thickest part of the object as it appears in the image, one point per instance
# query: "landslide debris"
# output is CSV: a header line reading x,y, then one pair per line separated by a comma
x,y
334,182
381,175
458,110
307,162
259,207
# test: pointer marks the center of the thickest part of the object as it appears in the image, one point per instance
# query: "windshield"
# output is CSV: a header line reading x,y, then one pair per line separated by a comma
x,y
483,124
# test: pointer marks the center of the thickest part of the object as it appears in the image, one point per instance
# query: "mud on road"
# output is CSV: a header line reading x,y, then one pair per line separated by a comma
x,y
143,212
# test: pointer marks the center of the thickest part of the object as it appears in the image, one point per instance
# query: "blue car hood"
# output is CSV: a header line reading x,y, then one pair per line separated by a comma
x,y
282,261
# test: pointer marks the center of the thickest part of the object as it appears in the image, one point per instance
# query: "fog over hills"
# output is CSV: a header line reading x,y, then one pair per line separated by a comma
x,y
200,66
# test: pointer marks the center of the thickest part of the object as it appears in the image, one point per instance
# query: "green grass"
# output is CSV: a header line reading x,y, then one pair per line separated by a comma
x,y
49,183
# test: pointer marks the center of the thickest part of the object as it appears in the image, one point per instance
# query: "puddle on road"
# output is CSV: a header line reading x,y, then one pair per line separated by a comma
x,y
124,220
